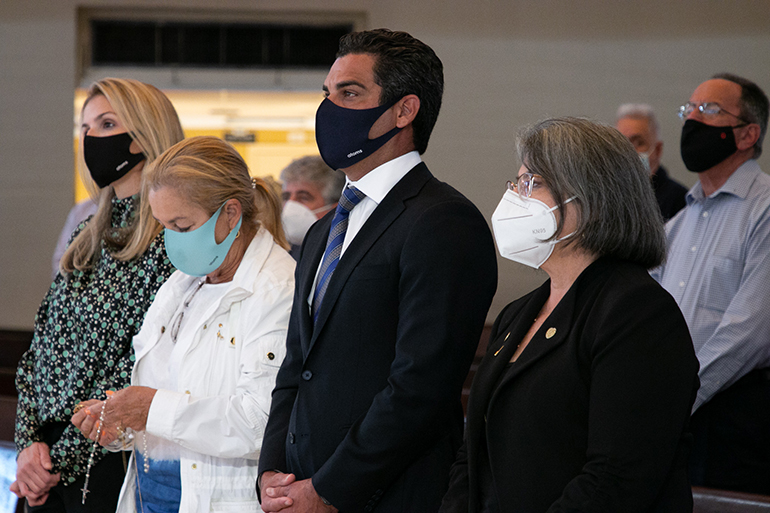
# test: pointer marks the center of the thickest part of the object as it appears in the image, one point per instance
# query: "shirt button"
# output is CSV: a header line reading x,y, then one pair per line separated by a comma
x,y
291,438
187,392
681,284
162,329
270,356
205,326
705,214
693,249
194,466
306,375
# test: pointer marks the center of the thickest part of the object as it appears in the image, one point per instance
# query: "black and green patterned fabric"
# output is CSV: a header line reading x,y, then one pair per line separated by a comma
x,y
82,344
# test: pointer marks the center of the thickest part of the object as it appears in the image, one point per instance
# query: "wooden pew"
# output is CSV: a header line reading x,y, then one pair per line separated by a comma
x,y
707,500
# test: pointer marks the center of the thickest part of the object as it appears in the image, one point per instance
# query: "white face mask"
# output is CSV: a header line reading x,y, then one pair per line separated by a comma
x,y
297,220
645,159
522,228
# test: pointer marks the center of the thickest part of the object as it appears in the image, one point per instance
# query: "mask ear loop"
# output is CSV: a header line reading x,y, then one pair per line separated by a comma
x,y
324,208
555,241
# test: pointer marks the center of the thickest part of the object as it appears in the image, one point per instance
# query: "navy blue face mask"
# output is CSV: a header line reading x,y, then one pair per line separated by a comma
x,y
342,134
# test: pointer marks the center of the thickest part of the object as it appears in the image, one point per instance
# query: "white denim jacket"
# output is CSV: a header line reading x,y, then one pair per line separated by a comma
x,y
218,412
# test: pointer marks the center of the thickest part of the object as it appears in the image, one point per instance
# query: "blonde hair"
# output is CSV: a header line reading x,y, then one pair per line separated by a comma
x,y
208,172
152,122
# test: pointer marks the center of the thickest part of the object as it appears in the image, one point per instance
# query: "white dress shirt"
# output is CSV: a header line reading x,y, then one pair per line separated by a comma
x,y
376,184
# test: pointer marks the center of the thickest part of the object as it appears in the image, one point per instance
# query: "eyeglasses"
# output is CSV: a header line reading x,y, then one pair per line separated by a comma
x,y
524,184
708,109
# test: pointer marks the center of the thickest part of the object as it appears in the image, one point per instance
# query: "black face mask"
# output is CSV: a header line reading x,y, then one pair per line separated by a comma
x,y
704,146
109,158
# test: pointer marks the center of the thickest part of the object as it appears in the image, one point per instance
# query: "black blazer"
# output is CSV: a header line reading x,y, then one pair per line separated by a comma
x,y
367,402
593,415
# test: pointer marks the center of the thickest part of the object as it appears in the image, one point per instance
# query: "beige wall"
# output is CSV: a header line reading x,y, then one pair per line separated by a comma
x,y
506,64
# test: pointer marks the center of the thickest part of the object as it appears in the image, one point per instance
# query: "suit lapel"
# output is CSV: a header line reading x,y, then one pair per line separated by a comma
x,y
310,259
501,349
381,218
553,332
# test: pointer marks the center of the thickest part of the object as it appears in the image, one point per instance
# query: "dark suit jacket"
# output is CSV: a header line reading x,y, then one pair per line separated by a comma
x,y
593,414
367,402
669,193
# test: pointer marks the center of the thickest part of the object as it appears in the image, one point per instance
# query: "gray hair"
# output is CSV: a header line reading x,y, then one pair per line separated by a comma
x,y
754,105
313,169
638,111
616,208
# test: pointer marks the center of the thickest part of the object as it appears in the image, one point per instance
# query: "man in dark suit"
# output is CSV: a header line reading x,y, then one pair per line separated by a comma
x,y
391,296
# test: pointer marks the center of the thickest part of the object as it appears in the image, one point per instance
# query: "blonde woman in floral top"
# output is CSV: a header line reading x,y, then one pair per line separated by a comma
x,y
108,277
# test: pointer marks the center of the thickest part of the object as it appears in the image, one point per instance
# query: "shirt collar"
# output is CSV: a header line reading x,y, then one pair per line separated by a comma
x,y
378,182
738,184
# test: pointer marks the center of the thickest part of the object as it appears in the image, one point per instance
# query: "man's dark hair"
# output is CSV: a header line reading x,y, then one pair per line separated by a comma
x,y
754,105
402,65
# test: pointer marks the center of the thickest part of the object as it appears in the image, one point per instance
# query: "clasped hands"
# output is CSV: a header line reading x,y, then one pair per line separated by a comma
x,y
282,492
34,479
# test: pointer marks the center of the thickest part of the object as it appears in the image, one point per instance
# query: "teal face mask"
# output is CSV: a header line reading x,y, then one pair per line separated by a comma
x,y
197,253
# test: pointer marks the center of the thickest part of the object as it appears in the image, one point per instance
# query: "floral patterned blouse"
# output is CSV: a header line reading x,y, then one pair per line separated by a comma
x,y
82,344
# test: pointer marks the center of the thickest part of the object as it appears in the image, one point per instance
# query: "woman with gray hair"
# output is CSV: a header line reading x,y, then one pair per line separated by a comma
x,y
582,400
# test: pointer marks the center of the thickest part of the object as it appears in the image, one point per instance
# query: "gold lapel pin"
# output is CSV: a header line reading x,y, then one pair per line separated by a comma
x,y
550,333
502,346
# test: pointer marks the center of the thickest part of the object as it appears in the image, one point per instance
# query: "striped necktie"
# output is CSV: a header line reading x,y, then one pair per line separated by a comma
x,y
348,200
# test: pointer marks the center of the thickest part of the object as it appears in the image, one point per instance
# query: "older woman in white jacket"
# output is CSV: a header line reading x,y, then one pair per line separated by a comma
x,y
212,341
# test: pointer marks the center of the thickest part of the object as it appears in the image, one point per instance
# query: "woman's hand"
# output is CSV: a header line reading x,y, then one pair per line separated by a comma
x,y
125,408
33,476
85,422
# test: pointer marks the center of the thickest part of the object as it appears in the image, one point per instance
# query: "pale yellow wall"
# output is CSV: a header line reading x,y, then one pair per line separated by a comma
x,y
507,63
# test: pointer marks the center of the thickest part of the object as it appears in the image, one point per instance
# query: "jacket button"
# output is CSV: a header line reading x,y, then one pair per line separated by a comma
x,y
306,375
194,466
291,438
270,356
162,329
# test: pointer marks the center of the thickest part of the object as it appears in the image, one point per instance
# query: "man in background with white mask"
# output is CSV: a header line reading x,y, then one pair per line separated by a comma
x,y
637,122
718,270
309,181
310,190
391,296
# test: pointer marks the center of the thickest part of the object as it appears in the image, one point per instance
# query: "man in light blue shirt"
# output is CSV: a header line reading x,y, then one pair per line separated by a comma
x,y
718,270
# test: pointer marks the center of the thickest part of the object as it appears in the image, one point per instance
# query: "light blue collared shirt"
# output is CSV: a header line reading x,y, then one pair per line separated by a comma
x,y
718,270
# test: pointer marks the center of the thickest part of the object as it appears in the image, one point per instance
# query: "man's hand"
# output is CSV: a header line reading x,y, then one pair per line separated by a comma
x,y
273,487
293,496
33,476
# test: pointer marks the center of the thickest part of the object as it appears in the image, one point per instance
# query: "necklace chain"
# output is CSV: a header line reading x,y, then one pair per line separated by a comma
x,y
93,450
178,322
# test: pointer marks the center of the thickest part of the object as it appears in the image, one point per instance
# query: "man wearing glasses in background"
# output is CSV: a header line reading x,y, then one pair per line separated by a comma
x,y
718,270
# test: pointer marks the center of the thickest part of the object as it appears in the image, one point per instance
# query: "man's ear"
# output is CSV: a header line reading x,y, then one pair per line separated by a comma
x,y
406,110
747,136
659,148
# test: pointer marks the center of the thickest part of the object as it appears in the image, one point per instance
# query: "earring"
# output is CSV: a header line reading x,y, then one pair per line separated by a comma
x,y
238,234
